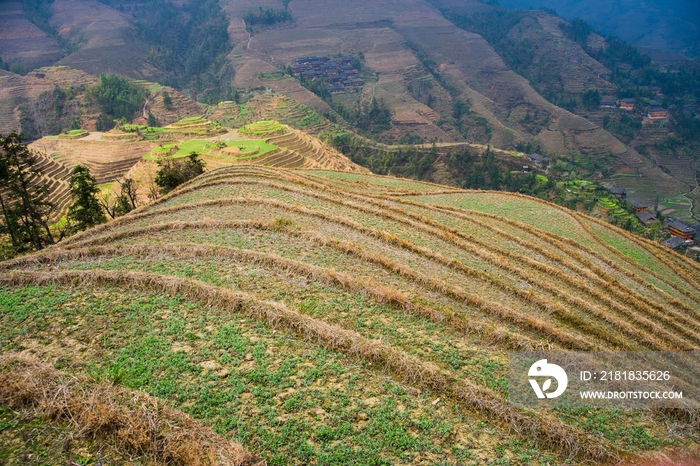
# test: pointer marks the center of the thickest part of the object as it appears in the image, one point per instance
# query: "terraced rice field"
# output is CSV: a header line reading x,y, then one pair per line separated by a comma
x,y
322,317
296,149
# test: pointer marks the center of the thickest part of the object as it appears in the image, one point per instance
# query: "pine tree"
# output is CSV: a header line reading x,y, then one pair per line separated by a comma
x,y
25,209
167,101
152,120
86,211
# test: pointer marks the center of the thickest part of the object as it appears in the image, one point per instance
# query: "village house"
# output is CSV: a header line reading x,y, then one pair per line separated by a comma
x,y
620,193
627,104
646,217
680,230
639,206
608,102
696,227
674,242
537,159
655,89
337,73
655,113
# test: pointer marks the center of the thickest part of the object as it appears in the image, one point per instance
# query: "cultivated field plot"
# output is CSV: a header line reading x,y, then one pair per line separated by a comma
x,y
322,317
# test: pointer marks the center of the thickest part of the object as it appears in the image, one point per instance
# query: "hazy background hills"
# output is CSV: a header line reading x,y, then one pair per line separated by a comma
x,y
666,25
434,70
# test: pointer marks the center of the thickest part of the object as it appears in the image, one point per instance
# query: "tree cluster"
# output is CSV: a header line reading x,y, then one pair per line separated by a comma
x,y
53,112
174,172
266,17
117,97
189,42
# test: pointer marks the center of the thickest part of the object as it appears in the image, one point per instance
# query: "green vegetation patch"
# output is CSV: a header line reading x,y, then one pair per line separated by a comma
x,y
248,149
73,134
261,128
190,121
285,398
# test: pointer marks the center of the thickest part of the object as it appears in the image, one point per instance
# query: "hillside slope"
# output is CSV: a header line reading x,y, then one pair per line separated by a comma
x,y
324,317
673,26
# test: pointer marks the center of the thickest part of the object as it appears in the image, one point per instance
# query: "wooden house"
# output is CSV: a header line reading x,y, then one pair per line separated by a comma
x,y
681,230
656,113
674,242
639,206
646,217
608,102
627,104
620,193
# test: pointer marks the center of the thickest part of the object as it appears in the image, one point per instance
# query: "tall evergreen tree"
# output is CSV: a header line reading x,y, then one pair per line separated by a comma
x,y
86,211
25,208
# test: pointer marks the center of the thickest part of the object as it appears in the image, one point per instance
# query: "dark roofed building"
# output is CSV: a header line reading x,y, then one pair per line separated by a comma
x,y
619,192
655,89
334,71
639,206
674,242
537,159
608,102
627,104
696,227
680,229
646,217
657,112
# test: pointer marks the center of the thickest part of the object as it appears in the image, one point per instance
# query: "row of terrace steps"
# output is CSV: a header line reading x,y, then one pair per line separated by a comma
x,y
273,158
292,141
55,177
112,171
680,168
287,159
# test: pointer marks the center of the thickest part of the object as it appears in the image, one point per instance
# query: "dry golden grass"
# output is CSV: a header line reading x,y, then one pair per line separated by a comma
x,y
130,420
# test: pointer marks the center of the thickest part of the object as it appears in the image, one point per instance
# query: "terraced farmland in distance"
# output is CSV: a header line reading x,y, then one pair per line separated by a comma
x,y
326,317
297,149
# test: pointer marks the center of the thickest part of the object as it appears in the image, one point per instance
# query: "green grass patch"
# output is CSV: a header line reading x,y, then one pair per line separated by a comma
x,y
281,396
190,121
261,128
254,148
164,149
73,134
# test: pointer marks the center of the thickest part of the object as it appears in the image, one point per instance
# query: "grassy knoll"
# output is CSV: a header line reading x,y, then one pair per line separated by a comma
x,y
321,317
246,149
73,134
262,128
192,126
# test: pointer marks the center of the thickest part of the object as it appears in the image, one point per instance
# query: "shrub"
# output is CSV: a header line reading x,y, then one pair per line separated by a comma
x,y
174,172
